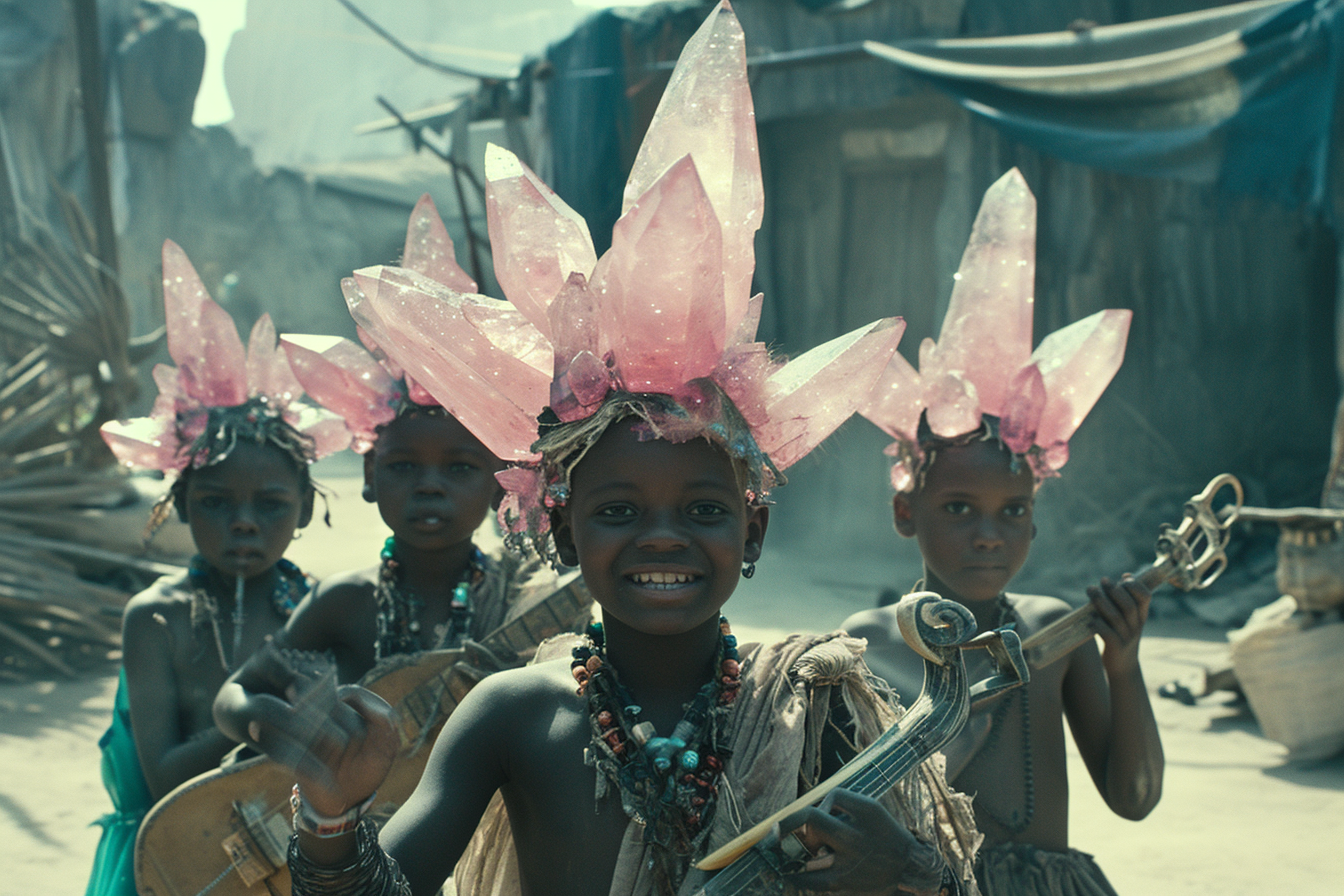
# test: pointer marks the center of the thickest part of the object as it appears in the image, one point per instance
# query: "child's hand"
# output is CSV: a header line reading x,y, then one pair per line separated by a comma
x,y
340,742
860,848
1122,610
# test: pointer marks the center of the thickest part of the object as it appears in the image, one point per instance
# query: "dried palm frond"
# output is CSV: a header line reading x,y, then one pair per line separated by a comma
x,y
65,368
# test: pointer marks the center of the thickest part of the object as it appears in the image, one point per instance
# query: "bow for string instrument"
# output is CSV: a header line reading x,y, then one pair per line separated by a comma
x,y
938,630
1190,556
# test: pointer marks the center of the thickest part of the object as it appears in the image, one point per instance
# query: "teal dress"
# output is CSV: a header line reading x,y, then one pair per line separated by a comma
x,y
113,863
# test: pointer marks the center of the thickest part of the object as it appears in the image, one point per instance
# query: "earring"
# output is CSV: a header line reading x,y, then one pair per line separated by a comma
x,y
298,533
367,493
749,570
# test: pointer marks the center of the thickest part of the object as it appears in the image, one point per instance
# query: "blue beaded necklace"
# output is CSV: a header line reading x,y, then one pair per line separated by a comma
x,y
399,610
669,784
291,586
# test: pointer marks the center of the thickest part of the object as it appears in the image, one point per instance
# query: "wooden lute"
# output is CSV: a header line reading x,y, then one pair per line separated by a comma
x,y
1190,556
226,832
754,863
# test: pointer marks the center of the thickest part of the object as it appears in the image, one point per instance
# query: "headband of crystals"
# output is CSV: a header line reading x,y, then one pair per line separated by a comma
x,y
661,327
982,365
248,393
366,388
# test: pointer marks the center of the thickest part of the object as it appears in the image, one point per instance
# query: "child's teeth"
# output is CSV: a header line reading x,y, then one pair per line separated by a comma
x,y
661,578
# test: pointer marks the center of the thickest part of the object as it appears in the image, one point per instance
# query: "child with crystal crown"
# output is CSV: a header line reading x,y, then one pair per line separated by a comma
x,y
434,484
228,424
664,424
978,428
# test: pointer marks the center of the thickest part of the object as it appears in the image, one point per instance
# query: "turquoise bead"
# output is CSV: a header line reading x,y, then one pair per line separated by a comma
x,y
690,760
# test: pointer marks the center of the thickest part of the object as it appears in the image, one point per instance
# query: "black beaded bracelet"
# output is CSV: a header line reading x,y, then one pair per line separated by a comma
x,y
372,873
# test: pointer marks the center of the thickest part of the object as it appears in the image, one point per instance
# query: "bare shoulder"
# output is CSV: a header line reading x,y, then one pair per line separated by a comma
x,y
522,692
878,625
347,585
1037,610
162,602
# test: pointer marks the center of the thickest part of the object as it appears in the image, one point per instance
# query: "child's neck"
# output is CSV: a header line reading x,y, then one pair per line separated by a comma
x,y
259,588
432,573
986,612
662,672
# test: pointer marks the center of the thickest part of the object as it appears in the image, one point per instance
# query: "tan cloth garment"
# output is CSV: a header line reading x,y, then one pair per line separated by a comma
x,y
779,719
1018,869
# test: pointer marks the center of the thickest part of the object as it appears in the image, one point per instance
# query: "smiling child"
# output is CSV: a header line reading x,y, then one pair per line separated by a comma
x,y
978,428
663,426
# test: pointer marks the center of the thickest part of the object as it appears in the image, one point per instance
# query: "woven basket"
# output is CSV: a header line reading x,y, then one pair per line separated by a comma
x,y
1292,672
1311,566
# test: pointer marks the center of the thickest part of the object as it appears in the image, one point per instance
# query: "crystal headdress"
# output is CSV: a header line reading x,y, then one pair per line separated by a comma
x,y
215,375
982,365
366,387
661,327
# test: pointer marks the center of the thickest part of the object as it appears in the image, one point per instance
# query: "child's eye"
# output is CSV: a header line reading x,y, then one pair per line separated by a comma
x,y
462,466
709,509
211,502
615,511
1015,510
957,508
399,466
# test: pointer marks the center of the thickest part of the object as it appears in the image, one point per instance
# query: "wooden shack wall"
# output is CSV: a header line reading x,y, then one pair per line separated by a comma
x,y
872,182
1230,364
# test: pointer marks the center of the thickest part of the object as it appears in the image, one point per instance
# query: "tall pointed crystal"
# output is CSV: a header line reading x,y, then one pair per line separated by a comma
x,y
1077,363
706,111
202,338
537,240
429,248
986,335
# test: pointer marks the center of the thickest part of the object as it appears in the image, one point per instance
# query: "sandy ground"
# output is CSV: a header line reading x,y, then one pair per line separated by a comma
x,y
1235,818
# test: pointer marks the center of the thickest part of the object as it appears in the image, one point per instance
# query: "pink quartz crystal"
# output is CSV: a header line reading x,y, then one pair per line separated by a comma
x,y
814,393
897,399
202,338
660,286
536,239
706,112
986,335
268,371
421,323
345,379
1077,363
429,249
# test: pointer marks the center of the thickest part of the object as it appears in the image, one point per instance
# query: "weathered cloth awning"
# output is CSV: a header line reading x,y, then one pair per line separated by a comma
x,y
1240,95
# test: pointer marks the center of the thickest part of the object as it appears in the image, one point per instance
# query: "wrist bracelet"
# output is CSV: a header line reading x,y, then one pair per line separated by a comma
x,y
324,826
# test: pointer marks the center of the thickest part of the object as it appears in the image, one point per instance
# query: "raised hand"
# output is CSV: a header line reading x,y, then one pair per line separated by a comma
x,y
1122,610
340,742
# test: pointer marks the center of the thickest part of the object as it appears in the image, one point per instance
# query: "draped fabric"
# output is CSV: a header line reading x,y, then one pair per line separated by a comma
x,y
1242,95
1016,869
113,868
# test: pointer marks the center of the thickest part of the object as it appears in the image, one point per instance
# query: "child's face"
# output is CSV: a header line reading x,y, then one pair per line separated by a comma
x,y
243,511
660,529
434,482
972,518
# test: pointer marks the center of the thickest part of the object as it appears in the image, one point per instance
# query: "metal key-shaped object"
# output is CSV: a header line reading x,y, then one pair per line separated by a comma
x,y
1190,556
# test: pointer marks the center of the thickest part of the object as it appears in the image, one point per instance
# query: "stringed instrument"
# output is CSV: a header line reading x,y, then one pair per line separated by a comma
x,y
755,863
1190,556
226,832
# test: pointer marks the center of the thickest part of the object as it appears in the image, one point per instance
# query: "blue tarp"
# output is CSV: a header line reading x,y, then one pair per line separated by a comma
x,y
1242,96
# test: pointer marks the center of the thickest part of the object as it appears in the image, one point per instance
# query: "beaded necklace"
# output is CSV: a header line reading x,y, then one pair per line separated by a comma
x,y
668,784
1020,820
291,585
399,610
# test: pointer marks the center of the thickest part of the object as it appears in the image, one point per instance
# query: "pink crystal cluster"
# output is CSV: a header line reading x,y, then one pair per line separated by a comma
x,y
366,388
982,362
213,371
665,310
